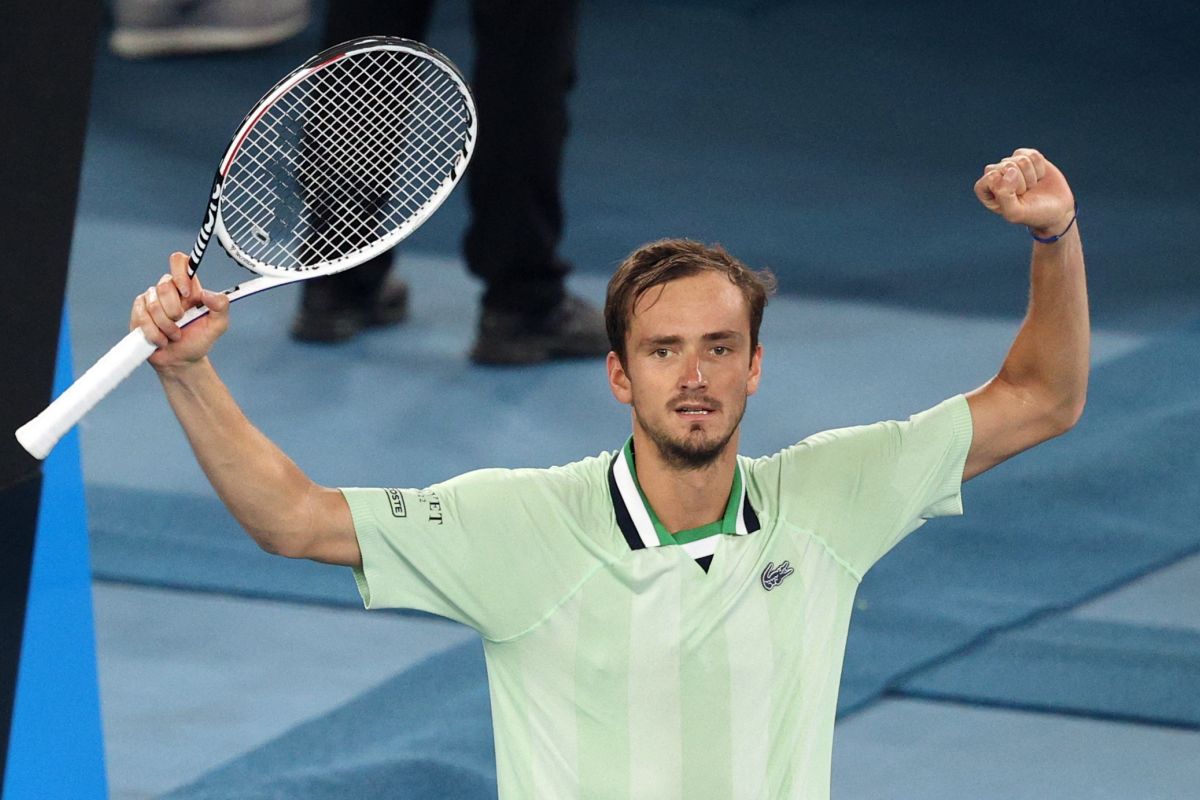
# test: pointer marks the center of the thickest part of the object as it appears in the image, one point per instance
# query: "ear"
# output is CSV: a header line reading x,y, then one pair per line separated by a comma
x,y
755,370
618,380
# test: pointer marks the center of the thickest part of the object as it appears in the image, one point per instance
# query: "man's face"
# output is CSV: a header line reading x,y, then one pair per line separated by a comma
x,y
689,368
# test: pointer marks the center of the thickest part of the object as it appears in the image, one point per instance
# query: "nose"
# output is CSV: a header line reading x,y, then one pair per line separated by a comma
x,y
693,376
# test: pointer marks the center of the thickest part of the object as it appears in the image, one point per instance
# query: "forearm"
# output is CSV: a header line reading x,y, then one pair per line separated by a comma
x,y
264,489
1049,360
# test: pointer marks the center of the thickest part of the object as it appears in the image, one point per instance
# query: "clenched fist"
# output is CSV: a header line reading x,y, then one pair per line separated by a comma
x,y
1027,189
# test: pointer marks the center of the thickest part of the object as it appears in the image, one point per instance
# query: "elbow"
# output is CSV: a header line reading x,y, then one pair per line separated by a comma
x,y
286,527
1066,414
277,544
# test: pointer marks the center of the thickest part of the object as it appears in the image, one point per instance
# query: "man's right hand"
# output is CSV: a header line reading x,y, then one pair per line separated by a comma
x,y
156,311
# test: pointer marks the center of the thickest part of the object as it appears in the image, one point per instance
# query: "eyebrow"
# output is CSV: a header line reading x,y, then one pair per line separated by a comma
x,y
715,336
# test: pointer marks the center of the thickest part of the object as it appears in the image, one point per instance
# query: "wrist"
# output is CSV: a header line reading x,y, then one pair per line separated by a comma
x,y
1053,232
180,372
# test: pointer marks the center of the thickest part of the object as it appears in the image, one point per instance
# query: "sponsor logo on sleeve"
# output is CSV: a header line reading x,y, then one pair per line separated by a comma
x,y
396,500
433,505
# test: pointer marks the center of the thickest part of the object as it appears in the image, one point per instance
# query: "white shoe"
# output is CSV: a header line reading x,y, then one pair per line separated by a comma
x,y
152,28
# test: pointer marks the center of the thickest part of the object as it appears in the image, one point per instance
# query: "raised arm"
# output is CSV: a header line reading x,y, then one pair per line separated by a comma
x,y
1041,388
278,505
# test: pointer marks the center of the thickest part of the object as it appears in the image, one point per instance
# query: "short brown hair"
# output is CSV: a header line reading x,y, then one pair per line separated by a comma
x,y
666,260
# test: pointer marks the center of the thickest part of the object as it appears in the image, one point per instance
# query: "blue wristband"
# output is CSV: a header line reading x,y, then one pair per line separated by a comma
x,y
1053,239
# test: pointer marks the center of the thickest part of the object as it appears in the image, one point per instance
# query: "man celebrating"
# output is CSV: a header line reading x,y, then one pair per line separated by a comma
x,y
667,620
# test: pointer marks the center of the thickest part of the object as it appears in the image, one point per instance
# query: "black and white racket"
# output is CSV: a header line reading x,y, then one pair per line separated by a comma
x,y
341,160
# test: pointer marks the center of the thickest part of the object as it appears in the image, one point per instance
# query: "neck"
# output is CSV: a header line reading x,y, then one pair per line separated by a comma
x,y
684,498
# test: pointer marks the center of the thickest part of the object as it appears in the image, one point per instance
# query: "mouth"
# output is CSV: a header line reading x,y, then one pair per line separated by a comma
x,y
697,409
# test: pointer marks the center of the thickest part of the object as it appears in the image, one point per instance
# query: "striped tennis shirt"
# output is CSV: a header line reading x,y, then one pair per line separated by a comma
x,y
626,661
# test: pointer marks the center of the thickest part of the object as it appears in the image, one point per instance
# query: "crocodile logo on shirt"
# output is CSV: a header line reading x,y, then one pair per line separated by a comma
x,y
772,576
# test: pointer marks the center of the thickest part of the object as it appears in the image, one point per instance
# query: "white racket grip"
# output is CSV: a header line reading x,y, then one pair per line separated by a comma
x,y
41,433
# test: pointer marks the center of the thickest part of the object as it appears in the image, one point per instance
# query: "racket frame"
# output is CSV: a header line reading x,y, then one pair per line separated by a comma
x,y
213,221
40,434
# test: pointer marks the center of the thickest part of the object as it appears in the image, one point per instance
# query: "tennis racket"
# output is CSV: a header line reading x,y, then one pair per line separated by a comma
x,y
339,161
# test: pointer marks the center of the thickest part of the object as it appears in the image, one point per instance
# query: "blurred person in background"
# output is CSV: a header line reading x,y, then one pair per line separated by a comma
x,y
156,28
524,69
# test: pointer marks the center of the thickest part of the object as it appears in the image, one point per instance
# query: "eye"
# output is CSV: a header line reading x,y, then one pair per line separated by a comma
x,y
661,352
720,350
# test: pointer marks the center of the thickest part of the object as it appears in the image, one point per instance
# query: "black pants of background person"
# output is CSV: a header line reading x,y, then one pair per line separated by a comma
x,y
524,69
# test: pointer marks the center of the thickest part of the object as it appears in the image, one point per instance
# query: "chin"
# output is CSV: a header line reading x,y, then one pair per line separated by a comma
x,y
693,447
692,451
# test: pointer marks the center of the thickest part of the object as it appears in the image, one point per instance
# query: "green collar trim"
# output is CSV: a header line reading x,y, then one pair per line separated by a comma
x,y
727,524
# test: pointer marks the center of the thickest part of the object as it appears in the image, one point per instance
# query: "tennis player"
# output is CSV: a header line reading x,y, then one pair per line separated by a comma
x,y
666,620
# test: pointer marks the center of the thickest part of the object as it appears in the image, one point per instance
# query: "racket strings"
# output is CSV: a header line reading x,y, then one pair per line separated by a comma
x,y
394,137
343,211
397,193
410,186
425,128
345,158
335,154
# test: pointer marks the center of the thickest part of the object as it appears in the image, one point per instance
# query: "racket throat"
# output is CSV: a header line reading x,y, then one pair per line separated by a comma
x,y
207,226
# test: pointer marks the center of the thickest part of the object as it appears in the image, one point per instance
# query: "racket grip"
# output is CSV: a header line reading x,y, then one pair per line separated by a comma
x,y
40,434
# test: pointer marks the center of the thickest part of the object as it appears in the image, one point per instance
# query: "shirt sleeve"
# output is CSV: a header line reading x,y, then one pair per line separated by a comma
x,y
494,549
863,489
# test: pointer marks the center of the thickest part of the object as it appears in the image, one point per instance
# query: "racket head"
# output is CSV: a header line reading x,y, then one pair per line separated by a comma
x,y
342,159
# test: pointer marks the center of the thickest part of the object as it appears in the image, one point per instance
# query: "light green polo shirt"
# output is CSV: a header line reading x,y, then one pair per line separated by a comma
x,y
620,664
